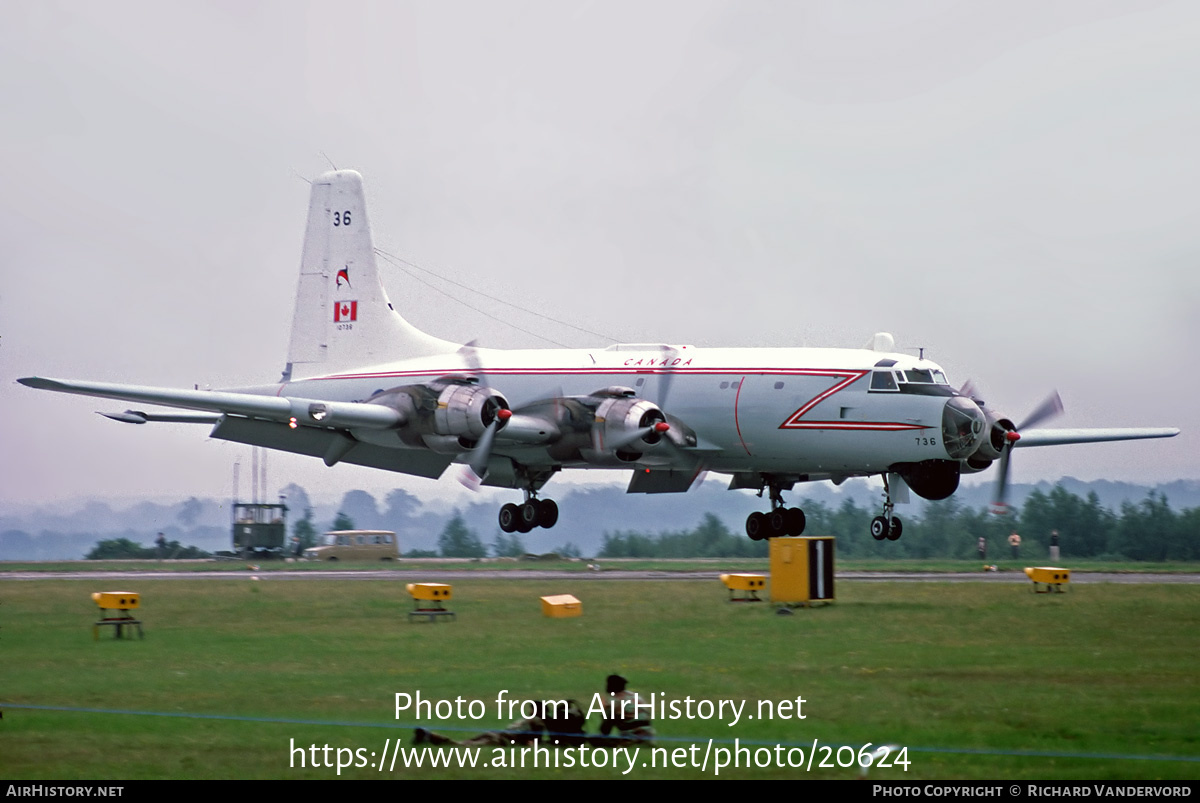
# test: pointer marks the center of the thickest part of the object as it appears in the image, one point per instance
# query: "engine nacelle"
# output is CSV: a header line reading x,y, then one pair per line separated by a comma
x,y
619,418
996,437
466,411
439,414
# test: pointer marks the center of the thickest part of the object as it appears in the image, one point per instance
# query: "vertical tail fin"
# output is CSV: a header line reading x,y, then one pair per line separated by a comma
x,y
343,317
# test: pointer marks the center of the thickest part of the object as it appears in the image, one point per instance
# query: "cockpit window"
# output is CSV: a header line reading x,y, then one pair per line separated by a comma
x,y
919,376
883,380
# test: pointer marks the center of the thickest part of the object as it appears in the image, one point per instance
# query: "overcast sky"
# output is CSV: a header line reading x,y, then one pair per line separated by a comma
x,y
1010,185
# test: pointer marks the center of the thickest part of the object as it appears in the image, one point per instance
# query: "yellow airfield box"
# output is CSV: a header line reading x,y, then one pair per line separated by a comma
x,y
428,599
1049,576
115,607
117,600
744,582
802,569
429,591
744,587
561,606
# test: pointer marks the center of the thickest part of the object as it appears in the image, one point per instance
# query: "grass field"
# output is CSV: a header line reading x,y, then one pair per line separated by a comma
x,y
978,680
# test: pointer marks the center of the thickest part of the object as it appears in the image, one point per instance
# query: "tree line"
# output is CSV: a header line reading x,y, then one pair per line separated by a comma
x,y
1147,531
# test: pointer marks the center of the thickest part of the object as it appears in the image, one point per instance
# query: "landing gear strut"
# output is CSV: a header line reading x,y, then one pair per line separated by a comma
x,y
780,521
888,525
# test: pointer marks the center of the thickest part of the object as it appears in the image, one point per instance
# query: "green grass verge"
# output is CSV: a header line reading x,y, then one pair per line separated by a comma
x,y
1042,686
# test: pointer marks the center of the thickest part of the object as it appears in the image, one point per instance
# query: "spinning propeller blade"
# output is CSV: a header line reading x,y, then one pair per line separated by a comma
x,y
1049,408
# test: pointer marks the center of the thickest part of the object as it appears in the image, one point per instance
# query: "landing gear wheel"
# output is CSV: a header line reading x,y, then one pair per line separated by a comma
x,y
776,523
879,528
508,518
756,526
527,516
793,521
547,513
895,530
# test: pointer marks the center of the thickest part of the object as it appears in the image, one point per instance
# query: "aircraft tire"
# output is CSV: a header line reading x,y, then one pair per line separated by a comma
x,y
547,513
756,526
896,530
776,523
794,521
508,518
879,528
527,516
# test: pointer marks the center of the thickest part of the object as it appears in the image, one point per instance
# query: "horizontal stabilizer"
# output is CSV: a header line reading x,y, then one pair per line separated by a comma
x,y
138,417
308,412
1061,437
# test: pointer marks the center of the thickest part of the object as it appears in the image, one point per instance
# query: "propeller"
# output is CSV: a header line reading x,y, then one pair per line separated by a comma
x,y
1049,408
666,378
660,427
476,470
480,455
477,463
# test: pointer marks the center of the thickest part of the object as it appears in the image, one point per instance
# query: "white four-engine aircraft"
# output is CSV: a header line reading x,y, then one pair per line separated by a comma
x,y
363,386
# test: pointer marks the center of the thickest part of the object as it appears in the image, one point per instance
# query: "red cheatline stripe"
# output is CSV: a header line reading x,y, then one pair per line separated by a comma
x,y
621,369
870,425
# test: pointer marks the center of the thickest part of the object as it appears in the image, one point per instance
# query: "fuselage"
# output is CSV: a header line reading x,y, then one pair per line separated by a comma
x,y
808,411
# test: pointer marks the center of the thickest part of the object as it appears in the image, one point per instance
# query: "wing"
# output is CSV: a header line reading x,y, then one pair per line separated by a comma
x,y
421,429
303,426
283,409
1060,437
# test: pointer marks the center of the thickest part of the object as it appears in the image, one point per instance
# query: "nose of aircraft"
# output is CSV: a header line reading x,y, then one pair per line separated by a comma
x,y
963,427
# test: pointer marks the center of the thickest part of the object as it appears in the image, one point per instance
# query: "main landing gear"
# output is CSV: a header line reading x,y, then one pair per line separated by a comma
x,y
534,513
780,521
886,526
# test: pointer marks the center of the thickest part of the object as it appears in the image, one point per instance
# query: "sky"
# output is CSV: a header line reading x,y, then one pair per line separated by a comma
x,y
1009,186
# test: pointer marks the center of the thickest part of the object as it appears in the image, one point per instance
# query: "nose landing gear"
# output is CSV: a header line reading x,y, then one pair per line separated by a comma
x,y
888,525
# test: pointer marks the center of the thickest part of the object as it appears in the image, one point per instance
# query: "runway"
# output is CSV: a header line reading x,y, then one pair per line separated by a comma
x,y
412,575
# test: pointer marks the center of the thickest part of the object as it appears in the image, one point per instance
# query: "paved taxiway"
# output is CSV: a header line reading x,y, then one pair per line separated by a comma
x,y
616,574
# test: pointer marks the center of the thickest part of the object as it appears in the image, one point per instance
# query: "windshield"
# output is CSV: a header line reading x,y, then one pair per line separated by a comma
x,y
922,376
